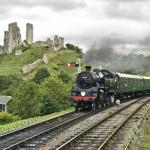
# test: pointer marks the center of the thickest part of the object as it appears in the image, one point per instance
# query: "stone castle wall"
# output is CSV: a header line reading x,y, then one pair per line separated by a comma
x,y
56,44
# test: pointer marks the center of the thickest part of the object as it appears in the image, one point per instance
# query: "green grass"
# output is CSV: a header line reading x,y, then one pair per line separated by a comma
x,y
11,64
26,57
27,122
145,141
6,69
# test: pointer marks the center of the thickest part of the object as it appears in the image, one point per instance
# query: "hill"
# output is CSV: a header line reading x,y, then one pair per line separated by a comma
x,y
12,64
44,90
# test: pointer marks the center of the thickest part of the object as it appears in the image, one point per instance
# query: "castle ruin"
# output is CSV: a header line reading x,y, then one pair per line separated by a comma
x,y
56,44
29,33
12,37
1,49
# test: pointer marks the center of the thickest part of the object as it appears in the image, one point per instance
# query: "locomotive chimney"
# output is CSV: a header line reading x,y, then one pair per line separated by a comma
x,y
88,68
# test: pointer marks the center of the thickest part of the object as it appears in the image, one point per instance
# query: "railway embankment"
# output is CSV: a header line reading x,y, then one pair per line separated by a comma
x,y
79,128
10,127
133,136
115,128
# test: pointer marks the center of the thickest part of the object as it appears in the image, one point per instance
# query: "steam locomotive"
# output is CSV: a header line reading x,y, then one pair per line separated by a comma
x,y
99,88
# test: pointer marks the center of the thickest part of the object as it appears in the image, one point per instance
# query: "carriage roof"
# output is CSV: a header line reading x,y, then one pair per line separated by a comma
x,y
123,75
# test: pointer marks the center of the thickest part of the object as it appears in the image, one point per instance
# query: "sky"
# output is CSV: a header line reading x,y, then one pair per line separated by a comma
x,y
81,22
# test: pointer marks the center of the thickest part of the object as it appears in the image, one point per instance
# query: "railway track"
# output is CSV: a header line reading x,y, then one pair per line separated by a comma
x,y
97,136
129,135
48,128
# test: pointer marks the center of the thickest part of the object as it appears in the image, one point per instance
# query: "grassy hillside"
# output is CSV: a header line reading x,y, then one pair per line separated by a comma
x,y
11,64
36,94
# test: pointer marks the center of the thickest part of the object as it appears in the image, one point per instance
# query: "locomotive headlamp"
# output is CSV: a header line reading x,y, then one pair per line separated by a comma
x,y
82,93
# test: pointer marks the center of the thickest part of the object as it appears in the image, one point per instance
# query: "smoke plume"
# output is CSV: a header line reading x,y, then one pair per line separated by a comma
x,y
104,56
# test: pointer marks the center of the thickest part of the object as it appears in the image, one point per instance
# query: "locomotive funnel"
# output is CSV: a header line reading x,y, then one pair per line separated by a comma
x,y
88,68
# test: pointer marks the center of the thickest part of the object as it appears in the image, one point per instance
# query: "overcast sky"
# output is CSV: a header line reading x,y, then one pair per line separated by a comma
x,y
81,22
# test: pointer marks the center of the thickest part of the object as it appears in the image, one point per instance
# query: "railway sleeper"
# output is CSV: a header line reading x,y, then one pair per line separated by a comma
x,y
37,142
102,132
84,141
30,145
93,136
84,145
90,147
76,148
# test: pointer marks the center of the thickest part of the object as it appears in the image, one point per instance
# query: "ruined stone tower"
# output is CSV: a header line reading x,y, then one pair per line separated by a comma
x,y
29,33
6,41
12,37
61,42
58,42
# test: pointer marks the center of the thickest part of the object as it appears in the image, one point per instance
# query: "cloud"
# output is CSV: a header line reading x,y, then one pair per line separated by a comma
x,y
134,10
53,4
124,1
81,22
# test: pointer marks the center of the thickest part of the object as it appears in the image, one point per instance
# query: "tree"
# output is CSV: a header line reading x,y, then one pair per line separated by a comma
x,y
79,50
70,46
49,105
7,81
26,100
58,92
41,74
73,47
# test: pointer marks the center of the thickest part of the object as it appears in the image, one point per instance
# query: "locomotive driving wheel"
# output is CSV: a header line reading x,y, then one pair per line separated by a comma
x,y
76,108
92,105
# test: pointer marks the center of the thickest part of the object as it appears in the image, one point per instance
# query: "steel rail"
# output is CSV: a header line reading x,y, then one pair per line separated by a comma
x,y
62,125
66,145
37,124
121,125
54,120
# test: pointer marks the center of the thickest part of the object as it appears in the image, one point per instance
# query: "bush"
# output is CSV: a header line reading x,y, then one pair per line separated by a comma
x,y
26,100
7,81
41,75
7,118
64,77
49,105
58,92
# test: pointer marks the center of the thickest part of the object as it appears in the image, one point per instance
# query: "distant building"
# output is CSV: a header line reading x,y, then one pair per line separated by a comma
x,y
3,103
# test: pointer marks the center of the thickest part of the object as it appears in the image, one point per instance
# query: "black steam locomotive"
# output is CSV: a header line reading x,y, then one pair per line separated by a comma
x,y
100,88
